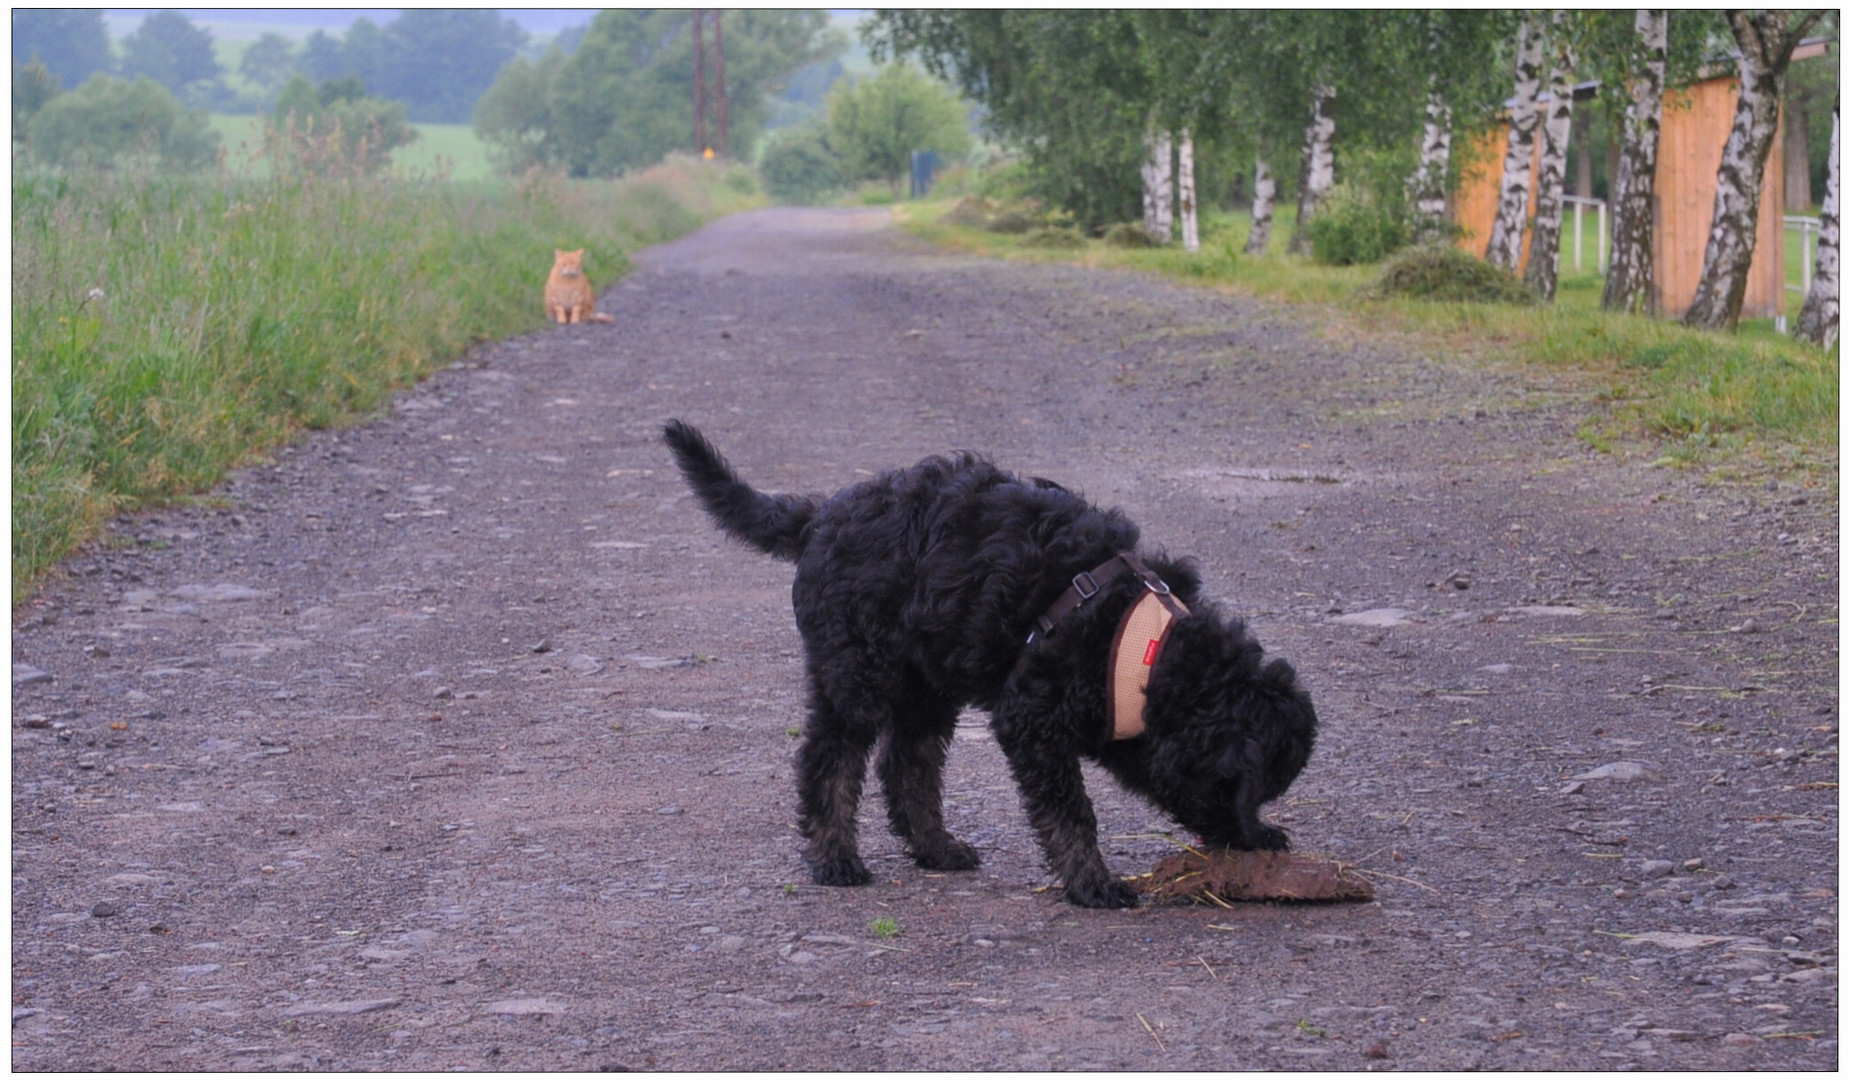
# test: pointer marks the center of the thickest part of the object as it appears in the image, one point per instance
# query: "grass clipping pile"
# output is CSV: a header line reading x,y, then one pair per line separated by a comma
x,y
1222,876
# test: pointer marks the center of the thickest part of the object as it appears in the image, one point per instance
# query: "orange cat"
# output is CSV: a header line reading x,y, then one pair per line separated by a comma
x,y
569,298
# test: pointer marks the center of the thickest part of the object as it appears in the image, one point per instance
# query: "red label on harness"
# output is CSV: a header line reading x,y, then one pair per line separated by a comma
x,y
1149,654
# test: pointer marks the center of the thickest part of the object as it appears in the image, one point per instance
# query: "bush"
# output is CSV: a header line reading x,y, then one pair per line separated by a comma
x,y
1442,272
1016,218
1052,236
1353,226
799,168
1127,234
107,122
336,128
972,212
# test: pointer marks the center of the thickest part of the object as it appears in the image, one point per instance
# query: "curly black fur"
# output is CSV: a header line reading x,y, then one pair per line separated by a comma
x,y
915,592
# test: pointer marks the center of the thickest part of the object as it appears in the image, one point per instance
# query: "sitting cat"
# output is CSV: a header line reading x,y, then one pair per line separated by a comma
x,y
569,298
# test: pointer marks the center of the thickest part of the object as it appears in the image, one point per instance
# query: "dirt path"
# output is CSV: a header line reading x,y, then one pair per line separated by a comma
x,y
461,740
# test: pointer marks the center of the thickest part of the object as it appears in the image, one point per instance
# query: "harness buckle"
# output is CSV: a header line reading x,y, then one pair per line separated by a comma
x,y
1085,585
1157,585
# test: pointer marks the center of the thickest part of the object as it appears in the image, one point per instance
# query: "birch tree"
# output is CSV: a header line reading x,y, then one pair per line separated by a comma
x,y
1317,175
1505,234
1426,188
1184,185
1159,187
1264,194
1629,280
1543,269
1817,319
1766,40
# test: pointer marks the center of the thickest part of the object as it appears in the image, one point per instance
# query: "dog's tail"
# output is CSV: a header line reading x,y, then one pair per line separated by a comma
x,y
774,524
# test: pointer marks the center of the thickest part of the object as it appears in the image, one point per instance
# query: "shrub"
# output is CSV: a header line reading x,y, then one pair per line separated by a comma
x,y
799,168
336,128
1016,218
107,122
1053,236
1353,225
971,212
1442,272
1127,234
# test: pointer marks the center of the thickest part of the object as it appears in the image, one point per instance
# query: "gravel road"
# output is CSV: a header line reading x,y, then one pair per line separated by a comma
x,y
460,740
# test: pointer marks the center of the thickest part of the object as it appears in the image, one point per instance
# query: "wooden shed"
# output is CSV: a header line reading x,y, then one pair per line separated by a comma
x,y
1696,121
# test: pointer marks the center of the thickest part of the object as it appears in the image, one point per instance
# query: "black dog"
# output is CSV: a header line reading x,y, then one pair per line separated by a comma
x,y
917,592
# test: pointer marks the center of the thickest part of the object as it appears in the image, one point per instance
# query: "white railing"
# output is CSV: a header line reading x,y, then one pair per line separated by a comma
x,y
1808,229
1579,221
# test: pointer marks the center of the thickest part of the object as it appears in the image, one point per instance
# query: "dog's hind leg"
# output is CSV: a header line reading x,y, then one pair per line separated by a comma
x,y
912,772
831,768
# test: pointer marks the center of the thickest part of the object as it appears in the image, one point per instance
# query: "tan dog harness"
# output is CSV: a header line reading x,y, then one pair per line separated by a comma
x,y
1140,636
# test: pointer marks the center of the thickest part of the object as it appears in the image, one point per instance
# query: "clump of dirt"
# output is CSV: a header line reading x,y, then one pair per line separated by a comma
x,y
1222,876
1442,272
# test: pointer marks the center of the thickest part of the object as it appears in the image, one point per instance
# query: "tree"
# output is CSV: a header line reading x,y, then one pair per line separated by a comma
x,y
1068,89
1542,272
515,116
1264,193
33,87
625,97
875,124
336,127
169,49
1766,40
321,57
798,167
268,63
1505,235
1818,318
107,122
363,54
1630,274
72,45
440,61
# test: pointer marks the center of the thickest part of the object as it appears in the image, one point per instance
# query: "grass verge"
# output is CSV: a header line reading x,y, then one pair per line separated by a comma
x,y
1746,405
166,328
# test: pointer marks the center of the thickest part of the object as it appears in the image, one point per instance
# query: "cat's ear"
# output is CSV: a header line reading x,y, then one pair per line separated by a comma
x,y
579,253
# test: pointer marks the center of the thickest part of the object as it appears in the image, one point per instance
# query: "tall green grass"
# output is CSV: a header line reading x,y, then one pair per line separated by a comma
x,y
1745,404
166,327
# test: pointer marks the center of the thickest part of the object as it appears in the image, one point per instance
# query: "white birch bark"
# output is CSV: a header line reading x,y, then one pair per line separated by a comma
x,y
1184,167
1543,272
1318,173
1150,183
1427,186
1165,188
1505,234
1766,40
1817,320
1264,197
1630,277
1158,188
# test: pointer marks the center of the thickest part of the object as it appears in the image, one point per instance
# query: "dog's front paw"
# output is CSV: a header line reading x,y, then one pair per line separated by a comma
x,y
951,854
843,871
1270,838
1106,893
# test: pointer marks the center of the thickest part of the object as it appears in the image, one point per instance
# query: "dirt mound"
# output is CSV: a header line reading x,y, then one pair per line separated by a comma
x,y
1442,272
